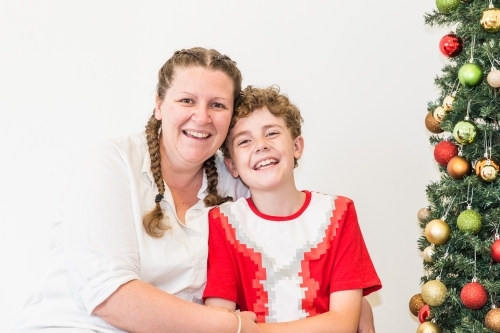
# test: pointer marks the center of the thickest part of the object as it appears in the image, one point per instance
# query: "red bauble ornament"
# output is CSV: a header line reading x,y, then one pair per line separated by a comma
x,y
495,250
451,45
424,313
474,295
444,151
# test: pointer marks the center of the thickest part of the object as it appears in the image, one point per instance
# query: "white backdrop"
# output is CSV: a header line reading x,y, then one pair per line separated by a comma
x,y
362,72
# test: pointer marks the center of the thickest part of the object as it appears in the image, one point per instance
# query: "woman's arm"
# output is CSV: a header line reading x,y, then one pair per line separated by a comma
x,y
366,322
343,317
139,307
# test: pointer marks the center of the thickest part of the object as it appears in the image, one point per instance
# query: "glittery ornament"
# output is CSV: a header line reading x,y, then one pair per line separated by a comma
x,y
424,313
448,103
424,214
432,124
437,232
416,302
492,320
434,292
458,167
451,45
474,296
493,78
447,6
444,151
439,113
429,327
470,74
469,221
495,250
490,21
465,132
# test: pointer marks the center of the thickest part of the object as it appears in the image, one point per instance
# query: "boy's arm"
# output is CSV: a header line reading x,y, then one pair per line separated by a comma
x,y
221,303
366,322
343,317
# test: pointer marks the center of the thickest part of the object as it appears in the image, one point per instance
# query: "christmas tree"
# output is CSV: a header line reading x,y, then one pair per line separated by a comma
x,y
460,226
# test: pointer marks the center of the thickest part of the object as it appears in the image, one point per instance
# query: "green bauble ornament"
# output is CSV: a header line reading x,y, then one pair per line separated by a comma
x,y
470,74
469,221
465,132
447,6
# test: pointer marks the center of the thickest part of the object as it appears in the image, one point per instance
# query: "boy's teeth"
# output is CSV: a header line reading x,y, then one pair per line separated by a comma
x,y
196,134
265,162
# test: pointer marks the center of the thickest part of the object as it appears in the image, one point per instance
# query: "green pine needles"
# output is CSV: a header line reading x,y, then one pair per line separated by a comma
x,y
467,252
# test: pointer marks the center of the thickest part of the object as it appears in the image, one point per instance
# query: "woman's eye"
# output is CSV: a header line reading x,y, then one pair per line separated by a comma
x,y
218,105
187,101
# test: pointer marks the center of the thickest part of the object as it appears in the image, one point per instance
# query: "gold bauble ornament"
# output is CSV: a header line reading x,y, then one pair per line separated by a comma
x,y
448,103
437,232
492,320
429,327
458,167
434,292
490,21
416,303
424,214
427,254
432,124
487,169
439,113
493,78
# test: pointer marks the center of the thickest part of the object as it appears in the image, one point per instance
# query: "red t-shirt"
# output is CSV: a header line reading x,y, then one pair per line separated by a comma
x,y
285,268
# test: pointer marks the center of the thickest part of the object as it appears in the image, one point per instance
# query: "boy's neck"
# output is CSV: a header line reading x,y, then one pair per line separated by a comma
x,y
279,202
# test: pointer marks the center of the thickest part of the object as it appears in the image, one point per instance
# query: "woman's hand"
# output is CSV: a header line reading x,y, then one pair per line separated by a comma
x,y
248,322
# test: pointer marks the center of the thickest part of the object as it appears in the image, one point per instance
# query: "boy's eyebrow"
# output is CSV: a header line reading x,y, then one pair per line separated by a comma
x,y
247,131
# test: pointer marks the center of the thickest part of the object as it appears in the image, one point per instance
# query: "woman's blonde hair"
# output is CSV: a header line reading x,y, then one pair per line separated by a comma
x,y
153,220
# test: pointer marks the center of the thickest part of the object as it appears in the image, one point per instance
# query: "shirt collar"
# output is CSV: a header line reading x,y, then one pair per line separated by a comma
x,y
147,176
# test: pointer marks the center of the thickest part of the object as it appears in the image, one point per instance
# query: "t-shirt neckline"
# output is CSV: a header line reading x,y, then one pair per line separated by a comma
x,y
295,215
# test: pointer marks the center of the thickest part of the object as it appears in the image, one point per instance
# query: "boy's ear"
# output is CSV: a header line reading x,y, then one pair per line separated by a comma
x,y
158,108
298,147
230,167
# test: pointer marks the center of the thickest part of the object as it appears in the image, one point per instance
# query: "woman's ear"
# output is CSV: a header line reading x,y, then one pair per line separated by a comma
x,y
158,104
298,147
230,167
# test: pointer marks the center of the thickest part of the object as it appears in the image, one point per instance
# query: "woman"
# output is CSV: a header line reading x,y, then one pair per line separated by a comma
x,y
132,245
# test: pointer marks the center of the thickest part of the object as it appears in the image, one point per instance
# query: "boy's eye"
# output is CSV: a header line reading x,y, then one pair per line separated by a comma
x,y
243,142
274,133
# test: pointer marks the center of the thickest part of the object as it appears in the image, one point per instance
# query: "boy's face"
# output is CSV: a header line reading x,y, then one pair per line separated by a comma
x,y
262,151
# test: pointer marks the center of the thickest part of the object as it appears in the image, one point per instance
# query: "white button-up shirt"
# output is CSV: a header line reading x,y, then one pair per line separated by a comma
x,y
101,244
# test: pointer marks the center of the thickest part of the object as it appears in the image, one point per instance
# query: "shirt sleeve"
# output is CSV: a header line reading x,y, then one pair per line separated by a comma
x,y
221,274
352,267
100,240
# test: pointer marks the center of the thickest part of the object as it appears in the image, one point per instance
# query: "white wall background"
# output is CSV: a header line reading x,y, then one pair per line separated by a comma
x,y
72,73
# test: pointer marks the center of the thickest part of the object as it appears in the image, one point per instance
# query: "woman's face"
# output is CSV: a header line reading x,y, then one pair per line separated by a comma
x,y
195,115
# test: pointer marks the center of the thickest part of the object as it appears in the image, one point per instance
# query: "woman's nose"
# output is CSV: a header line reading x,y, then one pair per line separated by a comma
x,y
202,115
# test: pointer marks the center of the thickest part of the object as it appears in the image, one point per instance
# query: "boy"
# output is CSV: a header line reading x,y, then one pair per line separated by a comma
x,y
284,254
